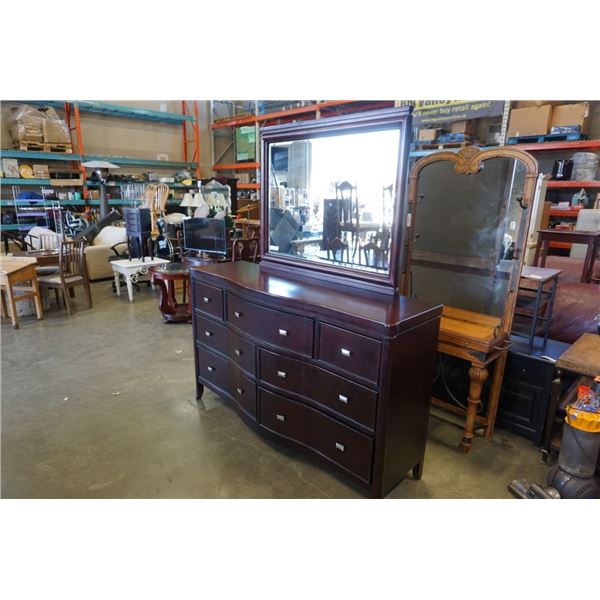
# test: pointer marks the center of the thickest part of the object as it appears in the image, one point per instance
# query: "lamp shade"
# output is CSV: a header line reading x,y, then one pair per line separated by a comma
x,y
188,200
198,200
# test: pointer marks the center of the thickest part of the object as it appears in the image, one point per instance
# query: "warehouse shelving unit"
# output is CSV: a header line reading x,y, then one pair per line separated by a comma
x,y
553,148
226,116
187,120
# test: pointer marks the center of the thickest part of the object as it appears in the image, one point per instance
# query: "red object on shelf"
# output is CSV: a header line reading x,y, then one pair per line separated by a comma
x,y
573,184
544,146
568,212
248,186
236,166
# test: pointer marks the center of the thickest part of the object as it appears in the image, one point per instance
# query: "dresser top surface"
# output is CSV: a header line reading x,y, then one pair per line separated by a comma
x,y
389,311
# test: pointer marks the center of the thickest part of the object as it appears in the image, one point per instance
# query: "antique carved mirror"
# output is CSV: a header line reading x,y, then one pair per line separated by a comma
x,y
468,221
332,196
466,234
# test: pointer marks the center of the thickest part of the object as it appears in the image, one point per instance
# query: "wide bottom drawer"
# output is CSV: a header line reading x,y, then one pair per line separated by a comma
x,y
338,443
218,372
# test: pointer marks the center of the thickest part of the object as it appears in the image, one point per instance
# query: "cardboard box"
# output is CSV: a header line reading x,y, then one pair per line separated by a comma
x,y
572,114
41,172
534,120
429,135
530,103
469,127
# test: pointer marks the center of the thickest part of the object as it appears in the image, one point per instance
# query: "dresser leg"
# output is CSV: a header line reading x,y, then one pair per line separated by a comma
x,y
477,376
417,471
199,391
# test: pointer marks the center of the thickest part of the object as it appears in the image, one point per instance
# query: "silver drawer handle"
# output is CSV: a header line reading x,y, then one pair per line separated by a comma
x,y
282,374
343,399
346,352
283,332
237,314
340,447
211,369
206,299
238,352
239,390
280,417
208,333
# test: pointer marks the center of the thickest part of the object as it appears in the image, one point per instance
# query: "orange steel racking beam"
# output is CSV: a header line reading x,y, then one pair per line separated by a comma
x,y
281,114
236,166
196,140
79,137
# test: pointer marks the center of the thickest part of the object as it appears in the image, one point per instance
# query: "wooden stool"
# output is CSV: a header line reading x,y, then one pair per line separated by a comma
x,y
16,270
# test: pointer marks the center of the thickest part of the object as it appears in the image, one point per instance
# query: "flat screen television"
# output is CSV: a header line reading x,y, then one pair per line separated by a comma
x,y
205,235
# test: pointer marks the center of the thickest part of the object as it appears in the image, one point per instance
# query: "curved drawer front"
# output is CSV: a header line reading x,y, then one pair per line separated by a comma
x,y
220,338
336,442
351,352
346,398
275,327
218,372
208,299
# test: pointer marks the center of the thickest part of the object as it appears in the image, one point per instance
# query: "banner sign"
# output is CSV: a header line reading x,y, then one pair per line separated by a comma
x,y
428,112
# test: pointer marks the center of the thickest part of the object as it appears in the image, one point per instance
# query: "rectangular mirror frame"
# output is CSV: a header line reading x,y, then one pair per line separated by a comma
x,y
354,123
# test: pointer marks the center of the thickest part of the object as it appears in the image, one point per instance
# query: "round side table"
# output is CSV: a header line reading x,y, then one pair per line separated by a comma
x,y
165,276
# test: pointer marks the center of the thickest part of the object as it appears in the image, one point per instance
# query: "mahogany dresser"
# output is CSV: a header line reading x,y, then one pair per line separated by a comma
x,y
343,377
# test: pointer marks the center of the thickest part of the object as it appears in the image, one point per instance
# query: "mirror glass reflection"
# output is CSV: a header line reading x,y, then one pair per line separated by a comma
x,y
332,198
466,229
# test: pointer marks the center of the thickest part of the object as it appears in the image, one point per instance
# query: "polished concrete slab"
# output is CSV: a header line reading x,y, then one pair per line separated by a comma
x,y
102,405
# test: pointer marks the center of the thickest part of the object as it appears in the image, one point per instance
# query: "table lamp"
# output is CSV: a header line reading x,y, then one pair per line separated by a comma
x,y
187,202
101,168
202,209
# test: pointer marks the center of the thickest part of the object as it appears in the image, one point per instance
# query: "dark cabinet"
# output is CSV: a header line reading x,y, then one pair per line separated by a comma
x,y
350,388
527,387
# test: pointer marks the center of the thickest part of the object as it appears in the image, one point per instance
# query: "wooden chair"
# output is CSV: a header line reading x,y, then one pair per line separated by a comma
x,y
337,245
345,192
243,249
71,272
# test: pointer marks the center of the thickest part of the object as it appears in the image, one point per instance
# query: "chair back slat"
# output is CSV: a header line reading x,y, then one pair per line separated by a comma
x,y
71,259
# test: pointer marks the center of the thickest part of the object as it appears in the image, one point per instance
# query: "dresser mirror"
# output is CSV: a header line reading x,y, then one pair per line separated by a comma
x,y
333,193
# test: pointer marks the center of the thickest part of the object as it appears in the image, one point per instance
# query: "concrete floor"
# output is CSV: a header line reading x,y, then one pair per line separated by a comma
x,y
101,405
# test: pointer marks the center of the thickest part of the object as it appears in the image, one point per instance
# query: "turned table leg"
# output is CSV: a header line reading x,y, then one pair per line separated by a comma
x,y
477,377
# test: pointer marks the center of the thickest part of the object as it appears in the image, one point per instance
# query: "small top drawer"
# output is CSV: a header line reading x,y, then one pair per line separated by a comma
x,y
351,352
208,299
280,329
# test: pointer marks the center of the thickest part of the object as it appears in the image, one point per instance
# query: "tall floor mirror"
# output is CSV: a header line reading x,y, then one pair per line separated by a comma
x,y
466,235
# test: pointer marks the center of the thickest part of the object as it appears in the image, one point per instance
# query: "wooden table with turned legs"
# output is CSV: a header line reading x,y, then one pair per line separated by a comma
x,y
165,277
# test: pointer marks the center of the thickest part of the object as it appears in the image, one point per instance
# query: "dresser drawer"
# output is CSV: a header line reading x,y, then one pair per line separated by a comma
x,y
280,329
213,335
346,398
338,443
208,299
228,379
243,392
214,368
351,352
282,372
220,338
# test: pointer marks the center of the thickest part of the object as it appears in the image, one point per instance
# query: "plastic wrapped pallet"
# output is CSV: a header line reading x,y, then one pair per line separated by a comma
x,y
25,123
54,129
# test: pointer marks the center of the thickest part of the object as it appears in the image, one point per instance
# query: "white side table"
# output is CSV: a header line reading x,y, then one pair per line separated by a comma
x,y
131,270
